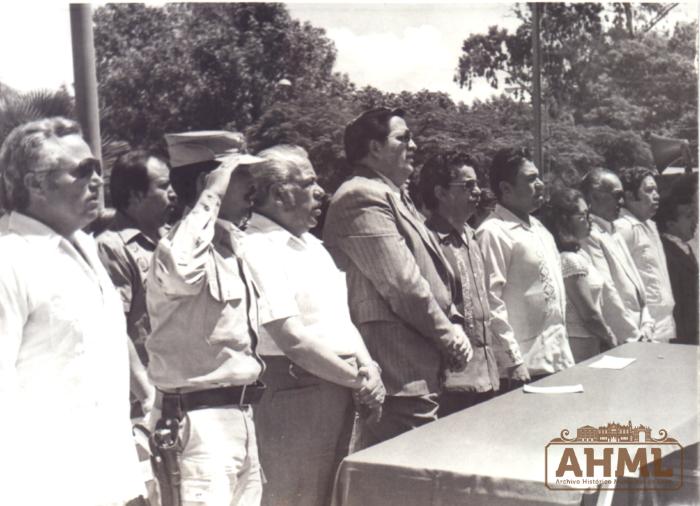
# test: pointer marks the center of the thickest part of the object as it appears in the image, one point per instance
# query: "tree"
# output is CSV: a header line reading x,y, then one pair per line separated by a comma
x,y
609,78
18,108
200,66
315,120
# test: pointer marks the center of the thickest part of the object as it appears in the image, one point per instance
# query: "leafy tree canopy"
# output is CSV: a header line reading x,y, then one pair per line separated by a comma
x,y
608,78
200,66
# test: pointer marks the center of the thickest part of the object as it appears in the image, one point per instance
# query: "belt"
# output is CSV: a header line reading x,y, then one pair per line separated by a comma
x,y
280,362
180,403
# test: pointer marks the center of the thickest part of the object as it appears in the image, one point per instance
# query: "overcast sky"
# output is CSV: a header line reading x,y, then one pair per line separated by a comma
x,y
392,46
397,47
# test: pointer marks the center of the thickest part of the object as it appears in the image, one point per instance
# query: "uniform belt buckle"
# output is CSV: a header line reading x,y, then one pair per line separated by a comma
x,y
242,397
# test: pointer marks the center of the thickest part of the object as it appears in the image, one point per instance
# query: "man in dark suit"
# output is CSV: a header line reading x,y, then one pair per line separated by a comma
x,y
397,276
677,219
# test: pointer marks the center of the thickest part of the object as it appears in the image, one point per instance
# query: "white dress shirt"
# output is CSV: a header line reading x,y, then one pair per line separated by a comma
x,y
64,372
644,243
298,277
527,296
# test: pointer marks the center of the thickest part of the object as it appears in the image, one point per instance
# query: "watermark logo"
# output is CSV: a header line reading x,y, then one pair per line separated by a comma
x,y
605,457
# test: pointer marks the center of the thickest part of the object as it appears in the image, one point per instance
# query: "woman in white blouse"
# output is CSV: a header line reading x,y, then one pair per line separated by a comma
x,y
567,218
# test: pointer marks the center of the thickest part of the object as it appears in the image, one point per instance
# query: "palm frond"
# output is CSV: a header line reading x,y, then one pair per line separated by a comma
x,y
16,108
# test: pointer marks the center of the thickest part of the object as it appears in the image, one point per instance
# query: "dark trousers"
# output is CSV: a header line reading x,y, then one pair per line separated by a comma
x,y
303,426
452,401
399,415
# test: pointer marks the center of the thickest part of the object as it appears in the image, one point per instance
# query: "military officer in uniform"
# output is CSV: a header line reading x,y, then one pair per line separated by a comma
x,y
202,347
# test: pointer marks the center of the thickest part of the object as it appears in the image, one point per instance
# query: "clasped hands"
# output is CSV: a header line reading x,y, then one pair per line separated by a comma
x,y
458,351
370,396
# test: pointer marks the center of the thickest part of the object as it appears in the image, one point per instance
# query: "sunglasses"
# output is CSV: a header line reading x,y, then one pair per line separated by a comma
x,y
83,170
617,195
86,168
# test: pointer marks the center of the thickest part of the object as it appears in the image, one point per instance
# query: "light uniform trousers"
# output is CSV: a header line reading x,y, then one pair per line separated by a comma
x,y
219,463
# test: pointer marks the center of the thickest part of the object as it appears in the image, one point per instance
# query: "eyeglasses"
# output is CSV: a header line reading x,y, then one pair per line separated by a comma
x,y
617,195
465,185
586,215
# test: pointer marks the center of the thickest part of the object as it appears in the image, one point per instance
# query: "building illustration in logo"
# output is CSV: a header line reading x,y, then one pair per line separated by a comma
x,y
614,433
597,457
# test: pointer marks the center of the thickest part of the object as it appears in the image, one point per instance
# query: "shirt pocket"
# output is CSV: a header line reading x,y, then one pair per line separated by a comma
x,y
224,280
226,308
64,322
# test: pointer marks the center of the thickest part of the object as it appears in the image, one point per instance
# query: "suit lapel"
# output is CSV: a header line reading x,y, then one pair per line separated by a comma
x,y
626,262
400,209
428,239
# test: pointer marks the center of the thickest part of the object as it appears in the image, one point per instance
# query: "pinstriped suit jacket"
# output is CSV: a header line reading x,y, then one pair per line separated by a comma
x,y
398,282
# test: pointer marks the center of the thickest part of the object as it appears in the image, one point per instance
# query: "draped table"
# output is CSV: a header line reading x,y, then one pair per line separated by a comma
x,y
494,453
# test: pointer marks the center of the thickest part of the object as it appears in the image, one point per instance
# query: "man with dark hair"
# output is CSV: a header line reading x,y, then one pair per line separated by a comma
x,y
677,219
624,300
449,189
527,297
372,125
141,193
636,227
66,434
487,203
396,273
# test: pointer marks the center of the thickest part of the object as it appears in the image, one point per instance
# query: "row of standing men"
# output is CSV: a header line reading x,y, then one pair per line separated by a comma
x,y
385,323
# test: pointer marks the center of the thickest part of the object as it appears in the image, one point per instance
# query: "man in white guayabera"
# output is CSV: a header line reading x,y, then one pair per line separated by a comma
x,y
64,360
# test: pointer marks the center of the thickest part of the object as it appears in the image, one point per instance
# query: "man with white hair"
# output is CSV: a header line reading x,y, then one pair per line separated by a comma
x,y
64,372
305,422
624,301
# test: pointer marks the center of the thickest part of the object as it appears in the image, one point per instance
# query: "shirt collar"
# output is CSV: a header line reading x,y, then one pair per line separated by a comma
x,y
228,233
627,215
443,229
29,228
510,218
604,224
125,228
262,224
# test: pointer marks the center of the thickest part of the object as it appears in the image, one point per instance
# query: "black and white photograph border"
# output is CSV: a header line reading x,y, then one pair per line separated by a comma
x,y
598,85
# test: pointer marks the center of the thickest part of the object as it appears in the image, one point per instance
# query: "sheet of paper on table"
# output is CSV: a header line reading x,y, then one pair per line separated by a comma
x,y
561,389
608,362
